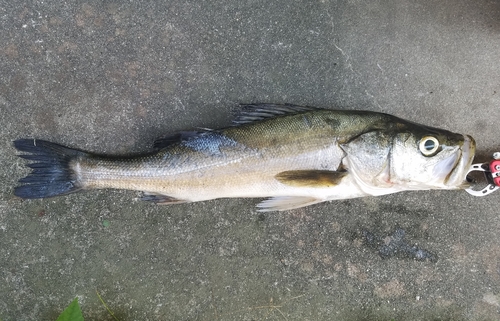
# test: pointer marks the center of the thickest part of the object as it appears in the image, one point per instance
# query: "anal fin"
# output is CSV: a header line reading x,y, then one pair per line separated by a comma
x,y
160,199
283,203
310,178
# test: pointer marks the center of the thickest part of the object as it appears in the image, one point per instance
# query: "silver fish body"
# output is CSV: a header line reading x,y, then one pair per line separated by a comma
x,y
295,156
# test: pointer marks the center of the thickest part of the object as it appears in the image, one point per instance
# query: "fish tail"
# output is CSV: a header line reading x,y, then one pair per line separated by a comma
x,y
52,173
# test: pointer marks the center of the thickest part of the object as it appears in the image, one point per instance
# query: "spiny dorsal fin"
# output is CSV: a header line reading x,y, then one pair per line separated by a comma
x,y
283,203
310,178
254,112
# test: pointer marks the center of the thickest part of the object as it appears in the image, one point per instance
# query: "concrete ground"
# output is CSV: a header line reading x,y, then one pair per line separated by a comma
x,y
109,77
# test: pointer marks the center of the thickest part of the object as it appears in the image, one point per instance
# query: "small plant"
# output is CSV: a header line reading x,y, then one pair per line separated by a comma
x,y
72,312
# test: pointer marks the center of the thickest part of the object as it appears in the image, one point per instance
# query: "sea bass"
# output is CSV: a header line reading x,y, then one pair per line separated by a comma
x,y
292,155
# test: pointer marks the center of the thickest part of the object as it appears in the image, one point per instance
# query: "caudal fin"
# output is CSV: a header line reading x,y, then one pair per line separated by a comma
x,y
52,174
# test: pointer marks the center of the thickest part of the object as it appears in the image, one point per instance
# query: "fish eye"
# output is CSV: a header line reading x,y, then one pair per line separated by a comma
x,y
428,145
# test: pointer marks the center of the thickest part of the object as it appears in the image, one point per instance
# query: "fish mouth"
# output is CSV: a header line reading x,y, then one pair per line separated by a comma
x,y
460,162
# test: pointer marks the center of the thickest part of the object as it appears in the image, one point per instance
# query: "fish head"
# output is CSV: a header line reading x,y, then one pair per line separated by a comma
x,y
430,158
409,156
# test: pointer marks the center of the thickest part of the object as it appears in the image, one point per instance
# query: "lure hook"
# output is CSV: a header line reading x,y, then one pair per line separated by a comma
x,y
491,172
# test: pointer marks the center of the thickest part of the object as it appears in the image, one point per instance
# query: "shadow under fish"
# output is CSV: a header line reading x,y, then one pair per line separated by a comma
x,y
396,245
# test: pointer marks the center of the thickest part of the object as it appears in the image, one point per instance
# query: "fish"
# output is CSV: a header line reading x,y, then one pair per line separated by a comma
x,y
293,156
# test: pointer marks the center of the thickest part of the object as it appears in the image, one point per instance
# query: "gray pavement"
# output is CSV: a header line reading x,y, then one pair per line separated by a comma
x,y
109,77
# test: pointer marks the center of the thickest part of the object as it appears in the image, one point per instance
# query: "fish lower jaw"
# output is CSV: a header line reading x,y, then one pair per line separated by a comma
x,y
456,179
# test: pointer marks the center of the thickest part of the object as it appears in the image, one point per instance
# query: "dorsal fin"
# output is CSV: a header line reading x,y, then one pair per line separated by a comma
x,y
254,112
182,136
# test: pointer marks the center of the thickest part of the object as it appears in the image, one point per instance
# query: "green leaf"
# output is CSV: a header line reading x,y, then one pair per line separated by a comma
x,y
72,312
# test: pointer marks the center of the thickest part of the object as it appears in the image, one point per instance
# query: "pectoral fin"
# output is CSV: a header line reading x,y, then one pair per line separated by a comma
x,y
310,178
283,203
